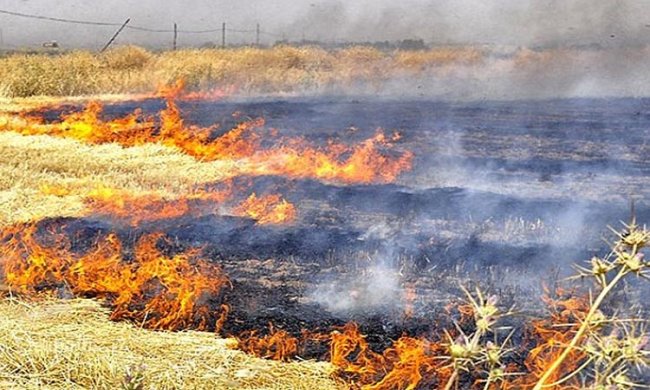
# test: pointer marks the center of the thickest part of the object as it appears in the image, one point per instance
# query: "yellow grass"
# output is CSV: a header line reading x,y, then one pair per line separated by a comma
x,y
252,70
29,165
71,344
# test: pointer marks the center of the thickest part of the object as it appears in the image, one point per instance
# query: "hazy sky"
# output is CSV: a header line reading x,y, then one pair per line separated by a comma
x,y
511,22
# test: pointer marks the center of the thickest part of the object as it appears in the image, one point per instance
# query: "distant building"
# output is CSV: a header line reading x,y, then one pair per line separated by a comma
x,y
51,44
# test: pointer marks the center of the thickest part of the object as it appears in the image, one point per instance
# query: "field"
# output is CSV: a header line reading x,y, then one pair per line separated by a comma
x,y
335,241
282,69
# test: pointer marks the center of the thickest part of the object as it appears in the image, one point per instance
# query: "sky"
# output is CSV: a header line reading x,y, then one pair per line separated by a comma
x,y
503,22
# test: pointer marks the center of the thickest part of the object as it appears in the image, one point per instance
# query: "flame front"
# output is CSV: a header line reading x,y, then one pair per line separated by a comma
x,y
365,162
277,345
136,209
156,290
269,209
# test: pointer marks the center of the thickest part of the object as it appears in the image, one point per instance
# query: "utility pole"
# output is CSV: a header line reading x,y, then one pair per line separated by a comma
x,y
257,35
2,39
223,35
115,35
175,35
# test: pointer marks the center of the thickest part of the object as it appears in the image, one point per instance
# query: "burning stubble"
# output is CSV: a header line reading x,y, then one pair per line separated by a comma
x,y
279,240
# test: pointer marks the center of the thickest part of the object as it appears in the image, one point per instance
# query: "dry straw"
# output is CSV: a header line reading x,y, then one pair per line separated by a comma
x,y
280,69
72,344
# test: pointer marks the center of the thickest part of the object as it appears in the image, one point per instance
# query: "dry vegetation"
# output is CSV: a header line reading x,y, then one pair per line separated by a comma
x,y
73,345
30,165
251,70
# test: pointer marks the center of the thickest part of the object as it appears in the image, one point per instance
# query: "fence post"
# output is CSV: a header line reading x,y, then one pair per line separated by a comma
x,y
223,35
175,35
115,35
257,35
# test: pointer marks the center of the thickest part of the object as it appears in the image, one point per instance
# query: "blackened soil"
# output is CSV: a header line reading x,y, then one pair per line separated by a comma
x,y
506,194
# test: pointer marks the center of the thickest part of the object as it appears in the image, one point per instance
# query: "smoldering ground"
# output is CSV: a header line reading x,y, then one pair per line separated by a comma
x,y
507,194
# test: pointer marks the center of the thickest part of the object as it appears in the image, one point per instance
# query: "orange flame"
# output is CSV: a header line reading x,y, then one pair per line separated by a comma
x,y
277,345
366,162
136,209
154,289
406,365
551,336
268,209
402,366
178,90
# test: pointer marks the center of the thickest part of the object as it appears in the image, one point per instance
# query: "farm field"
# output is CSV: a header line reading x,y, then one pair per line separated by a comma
x,y
198,237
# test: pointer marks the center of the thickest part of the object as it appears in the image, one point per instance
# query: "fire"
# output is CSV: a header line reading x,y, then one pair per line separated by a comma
x,y
407,364
362,163
550,337
156,290
178,90
370,161
136,209
237,143
87,126
268,209
277,345
401,366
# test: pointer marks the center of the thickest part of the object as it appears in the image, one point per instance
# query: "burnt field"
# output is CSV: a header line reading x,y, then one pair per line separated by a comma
x,y
508,194
502,196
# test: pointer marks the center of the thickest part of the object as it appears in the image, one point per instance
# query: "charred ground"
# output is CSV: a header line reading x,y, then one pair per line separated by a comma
x,y
507,194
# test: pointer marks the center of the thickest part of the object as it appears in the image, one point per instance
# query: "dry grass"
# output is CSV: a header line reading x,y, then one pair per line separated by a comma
x,y
30,164
72,345
251,70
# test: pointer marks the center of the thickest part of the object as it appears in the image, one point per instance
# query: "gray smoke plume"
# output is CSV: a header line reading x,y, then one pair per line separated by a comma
x,y
611,23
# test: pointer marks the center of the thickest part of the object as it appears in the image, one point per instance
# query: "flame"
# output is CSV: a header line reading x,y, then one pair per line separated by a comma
x,y
178,90
156,290
362,163
401,366
405,365
268,209
277,345
370,161
136,209
550,337
54,190
237,143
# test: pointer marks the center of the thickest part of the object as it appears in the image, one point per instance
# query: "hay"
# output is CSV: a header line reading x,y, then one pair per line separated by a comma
x,y
281,69
30,163
55,344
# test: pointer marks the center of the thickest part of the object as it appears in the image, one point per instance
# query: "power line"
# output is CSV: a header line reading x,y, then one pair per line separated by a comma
x,y
175,31
130,27
59,19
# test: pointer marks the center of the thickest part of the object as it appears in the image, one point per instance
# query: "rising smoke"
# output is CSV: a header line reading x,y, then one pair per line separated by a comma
x,y
610,23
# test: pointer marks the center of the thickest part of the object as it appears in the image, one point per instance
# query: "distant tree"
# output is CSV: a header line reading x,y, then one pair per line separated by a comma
x,y
411,44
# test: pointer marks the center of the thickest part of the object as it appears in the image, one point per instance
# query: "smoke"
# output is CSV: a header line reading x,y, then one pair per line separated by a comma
x,y
377,288
612,23
530,49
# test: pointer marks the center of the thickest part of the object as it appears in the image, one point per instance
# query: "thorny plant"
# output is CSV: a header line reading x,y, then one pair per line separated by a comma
x,y
474,352
612,356
134,378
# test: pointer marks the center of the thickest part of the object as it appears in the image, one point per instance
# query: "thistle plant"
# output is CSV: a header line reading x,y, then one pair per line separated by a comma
x,y
473,353
134,378
611,355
